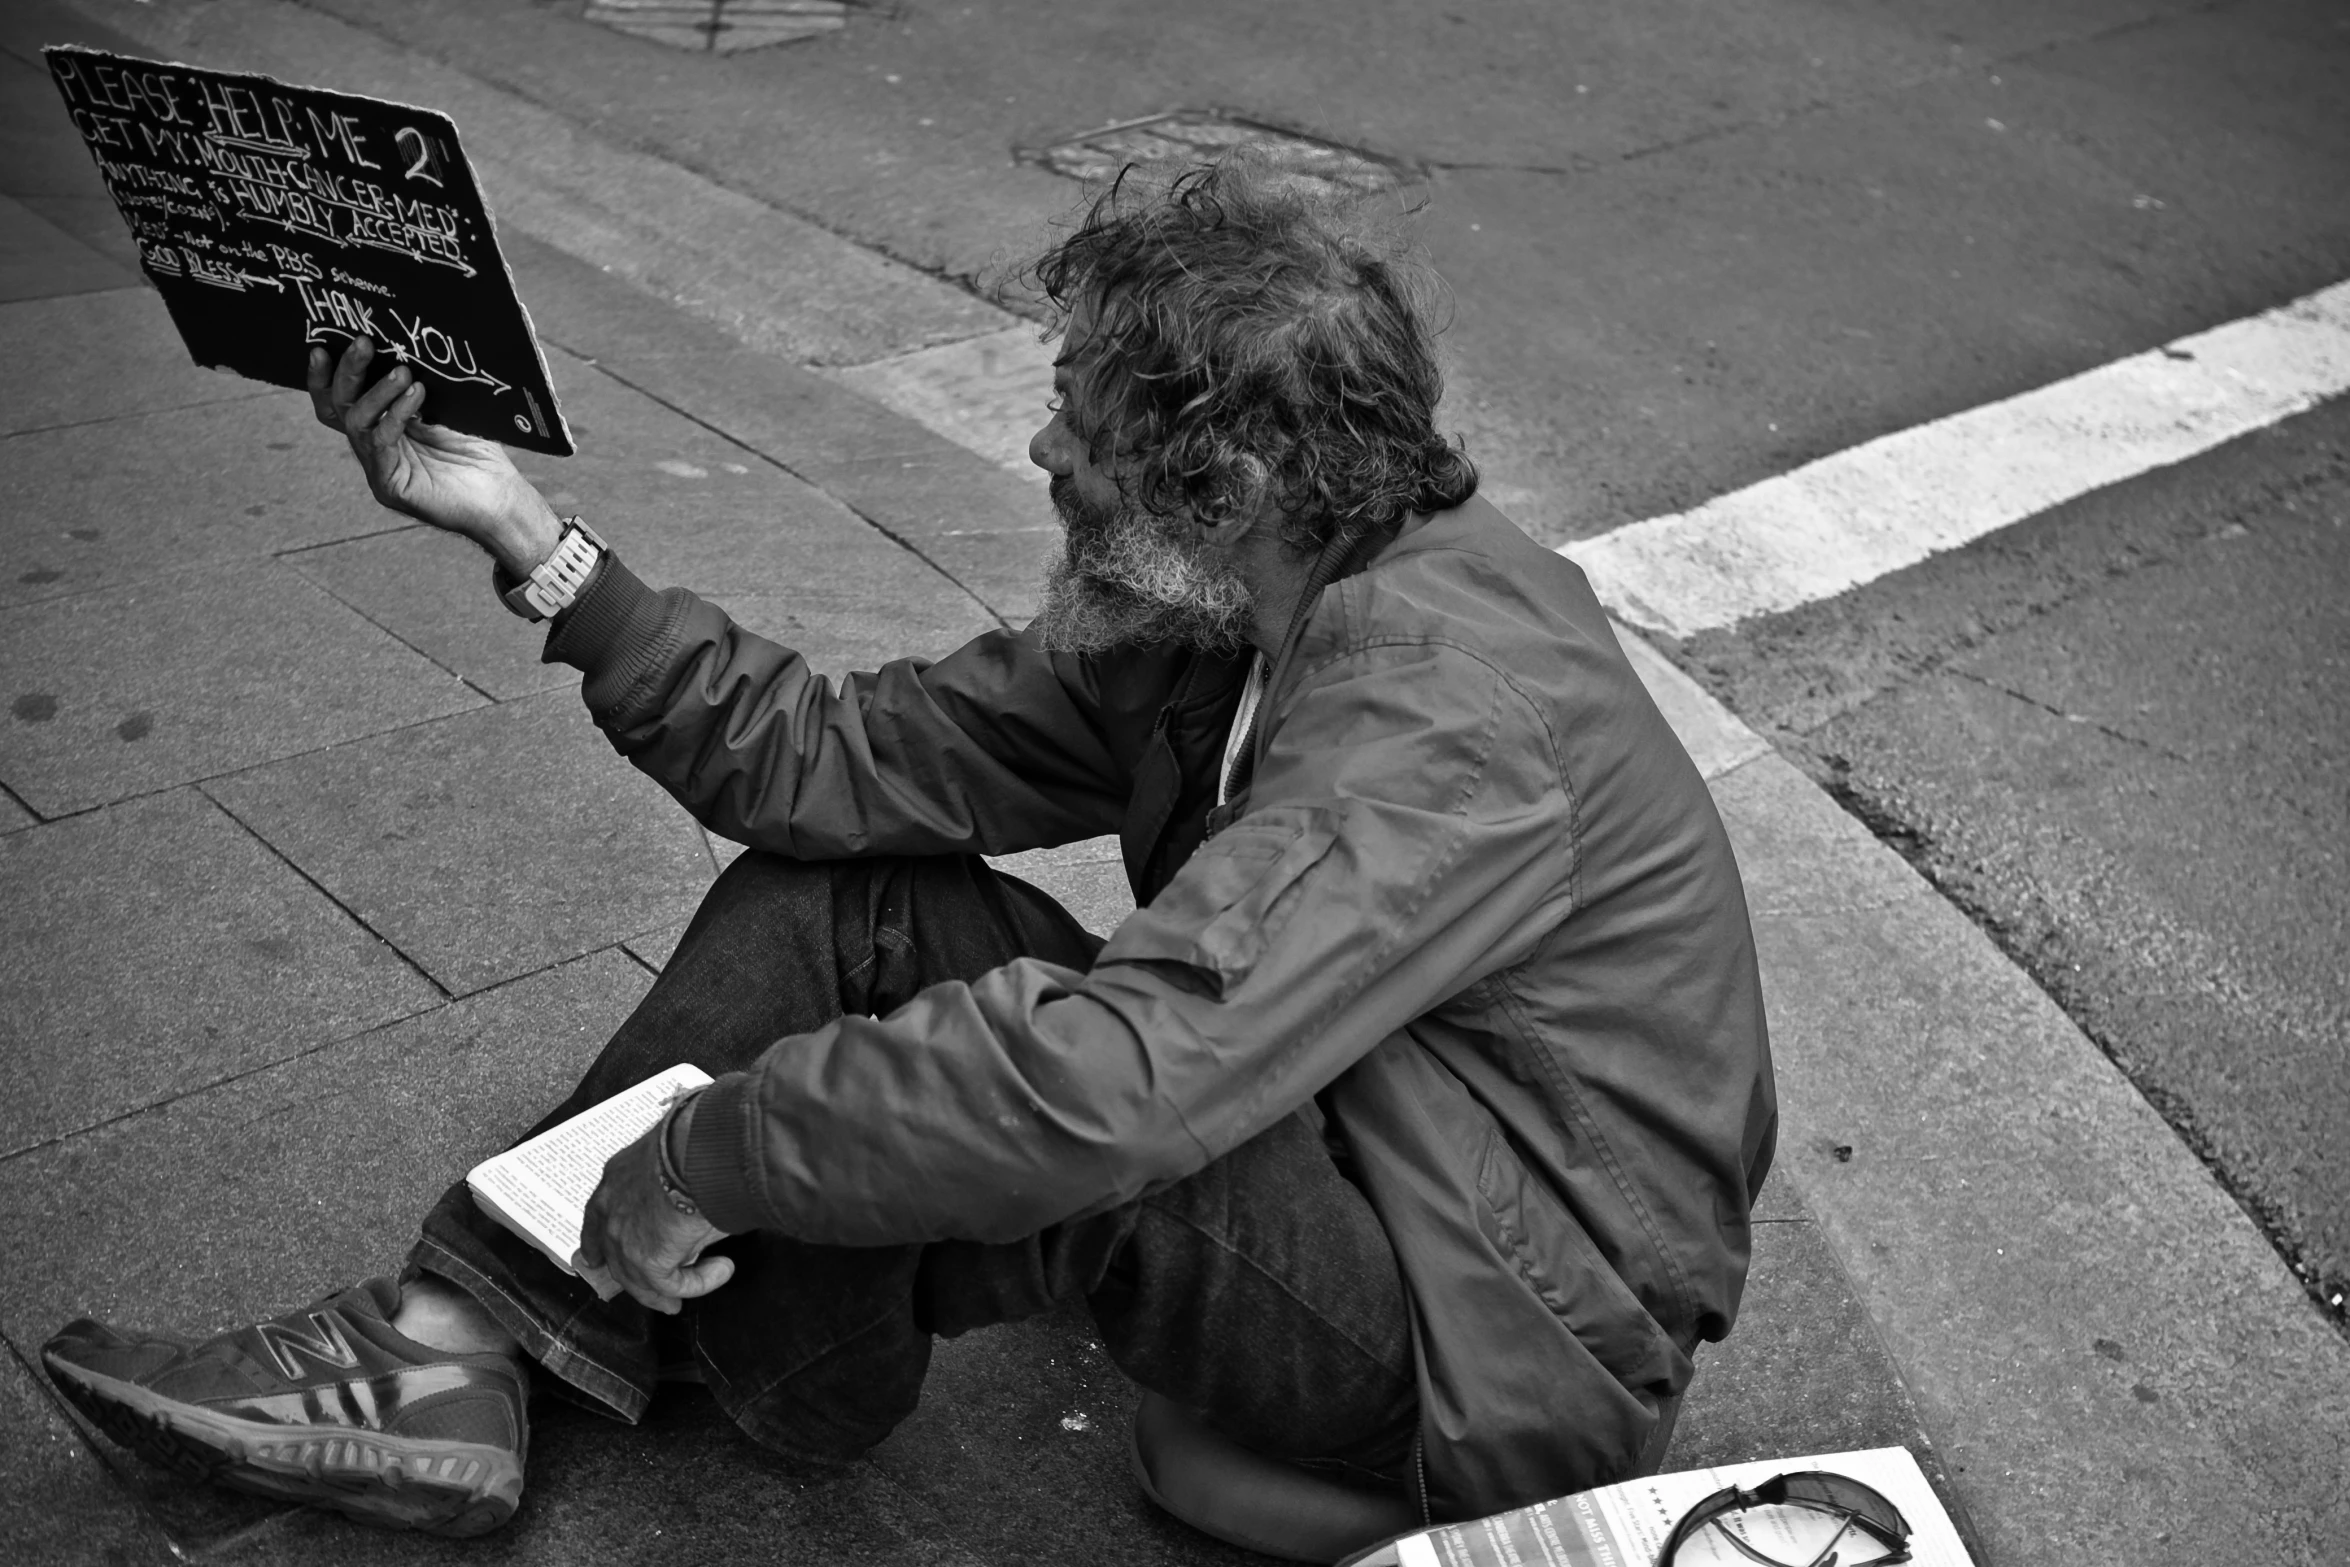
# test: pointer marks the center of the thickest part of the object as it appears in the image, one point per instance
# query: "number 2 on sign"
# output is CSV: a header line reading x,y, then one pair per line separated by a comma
x,y
415,144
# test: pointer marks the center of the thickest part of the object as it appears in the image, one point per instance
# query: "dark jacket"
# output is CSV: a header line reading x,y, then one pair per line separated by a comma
x,y
1476,904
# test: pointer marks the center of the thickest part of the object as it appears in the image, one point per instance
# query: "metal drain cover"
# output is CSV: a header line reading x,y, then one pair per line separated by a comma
x,y
720,26
1185,134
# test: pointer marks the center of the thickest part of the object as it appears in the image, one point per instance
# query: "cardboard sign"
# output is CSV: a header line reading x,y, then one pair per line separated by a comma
x,y
272,217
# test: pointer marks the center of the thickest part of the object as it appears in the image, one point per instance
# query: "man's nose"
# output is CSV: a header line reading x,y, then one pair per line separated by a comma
x,y
1048,448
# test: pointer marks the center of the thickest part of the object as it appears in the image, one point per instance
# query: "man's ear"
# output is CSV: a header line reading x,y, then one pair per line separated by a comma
x,y
1245,503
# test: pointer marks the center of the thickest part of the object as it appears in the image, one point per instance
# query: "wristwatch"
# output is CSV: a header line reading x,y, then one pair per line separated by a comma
x,y
554,582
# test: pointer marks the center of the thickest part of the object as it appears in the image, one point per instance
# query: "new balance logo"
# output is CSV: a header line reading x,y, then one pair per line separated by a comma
x,y
324,1343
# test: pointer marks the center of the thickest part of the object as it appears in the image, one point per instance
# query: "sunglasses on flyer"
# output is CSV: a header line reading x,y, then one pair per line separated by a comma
x,y
1864,1519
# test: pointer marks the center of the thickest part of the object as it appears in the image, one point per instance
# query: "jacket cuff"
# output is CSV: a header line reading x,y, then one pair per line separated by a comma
x,y
595,626
722,1153
615,633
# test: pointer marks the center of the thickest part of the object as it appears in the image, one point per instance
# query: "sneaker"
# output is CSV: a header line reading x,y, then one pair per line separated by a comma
x,y
329,1405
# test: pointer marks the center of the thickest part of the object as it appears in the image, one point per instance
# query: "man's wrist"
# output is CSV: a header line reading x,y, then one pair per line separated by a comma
x,y
556,583
676,1127
523,543
719,1161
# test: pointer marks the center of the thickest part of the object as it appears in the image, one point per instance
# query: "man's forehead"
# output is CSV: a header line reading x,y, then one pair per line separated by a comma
x,y
1077,349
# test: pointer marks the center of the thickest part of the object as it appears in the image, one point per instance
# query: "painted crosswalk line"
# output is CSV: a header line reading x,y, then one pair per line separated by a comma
x,y
1855,516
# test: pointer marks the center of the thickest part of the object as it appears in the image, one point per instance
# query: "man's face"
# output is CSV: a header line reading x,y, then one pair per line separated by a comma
x,y
1125,578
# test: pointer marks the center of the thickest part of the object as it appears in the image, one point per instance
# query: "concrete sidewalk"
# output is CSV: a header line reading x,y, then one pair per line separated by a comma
x,y
302,925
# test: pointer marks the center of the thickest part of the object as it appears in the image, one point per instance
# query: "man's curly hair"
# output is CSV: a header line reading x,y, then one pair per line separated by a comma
x,y
1246,338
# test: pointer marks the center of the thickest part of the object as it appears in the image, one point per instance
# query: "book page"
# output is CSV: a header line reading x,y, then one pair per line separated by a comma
x,y
1625,1525
540,1189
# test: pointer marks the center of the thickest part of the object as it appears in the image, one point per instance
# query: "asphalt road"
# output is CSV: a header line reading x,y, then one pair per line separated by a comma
x,y
1693,246
2117,734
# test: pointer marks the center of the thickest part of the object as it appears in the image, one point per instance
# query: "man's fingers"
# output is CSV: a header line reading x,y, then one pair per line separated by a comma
x,y
360,418
640,1283
393,427
702,1277
351,372
591,1231
667,1289
321,373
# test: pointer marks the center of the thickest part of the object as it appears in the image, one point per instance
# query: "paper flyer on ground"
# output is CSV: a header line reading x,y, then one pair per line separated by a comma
x,y
1625,1525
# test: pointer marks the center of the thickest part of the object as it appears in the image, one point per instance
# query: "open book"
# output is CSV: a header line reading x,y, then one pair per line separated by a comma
x,y
540,1189
1625,1525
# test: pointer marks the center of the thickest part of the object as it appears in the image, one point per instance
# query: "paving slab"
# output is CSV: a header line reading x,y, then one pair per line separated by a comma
x,y
274,1188
155,947
432,591
40,151
154,683
692,505
654,948
95,221
484,846
95,505
2114,1364
14,816
43,160
85,357
39,260
986,528
1088,877
1803,1371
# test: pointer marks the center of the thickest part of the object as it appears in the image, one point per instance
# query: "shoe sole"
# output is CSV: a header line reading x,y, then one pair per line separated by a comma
x,y
447,1488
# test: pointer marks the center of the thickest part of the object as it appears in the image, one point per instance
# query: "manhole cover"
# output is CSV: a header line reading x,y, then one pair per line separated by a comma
x,y
720,26
1201,133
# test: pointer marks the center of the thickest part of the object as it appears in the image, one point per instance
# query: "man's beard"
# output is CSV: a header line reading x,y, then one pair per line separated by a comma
x,y
1126,579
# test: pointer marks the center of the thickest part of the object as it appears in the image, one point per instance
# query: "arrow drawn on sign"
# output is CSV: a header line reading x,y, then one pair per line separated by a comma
x,y
443,353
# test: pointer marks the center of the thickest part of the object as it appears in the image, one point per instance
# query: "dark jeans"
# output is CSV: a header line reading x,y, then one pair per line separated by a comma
x,y
1260,1292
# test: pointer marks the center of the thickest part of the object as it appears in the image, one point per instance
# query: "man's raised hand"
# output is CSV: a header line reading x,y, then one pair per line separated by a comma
x,y
456,482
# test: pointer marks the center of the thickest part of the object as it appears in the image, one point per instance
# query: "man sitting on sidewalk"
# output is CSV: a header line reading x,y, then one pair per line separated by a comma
x,y
1407,1130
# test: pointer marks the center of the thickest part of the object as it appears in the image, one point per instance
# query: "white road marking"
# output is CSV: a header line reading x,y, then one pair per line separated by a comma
x,y
1852,517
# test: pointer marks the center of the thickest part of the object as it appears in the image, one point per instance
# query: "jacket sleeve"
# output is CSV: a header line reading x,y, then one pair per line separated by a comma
x,y
1409,832
991,750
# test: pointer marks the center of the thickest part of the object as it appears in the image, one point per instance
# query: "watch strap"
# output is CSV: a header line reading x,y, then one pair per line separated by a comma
x,y
554,584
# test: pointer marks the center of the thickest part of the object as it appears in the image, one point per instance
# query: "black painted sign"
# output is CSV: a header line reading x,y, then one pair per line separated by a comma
x,y
272,217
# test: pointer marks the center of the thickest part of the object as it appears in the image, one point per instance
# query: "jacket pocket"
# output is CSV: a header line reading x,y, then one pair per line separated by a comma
x,y
1556,1259
1229,901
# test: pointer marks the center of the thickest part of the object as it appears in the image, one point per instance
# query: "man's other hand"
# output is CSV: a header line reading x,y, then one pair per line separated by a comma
x,y
648,1246
458,482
